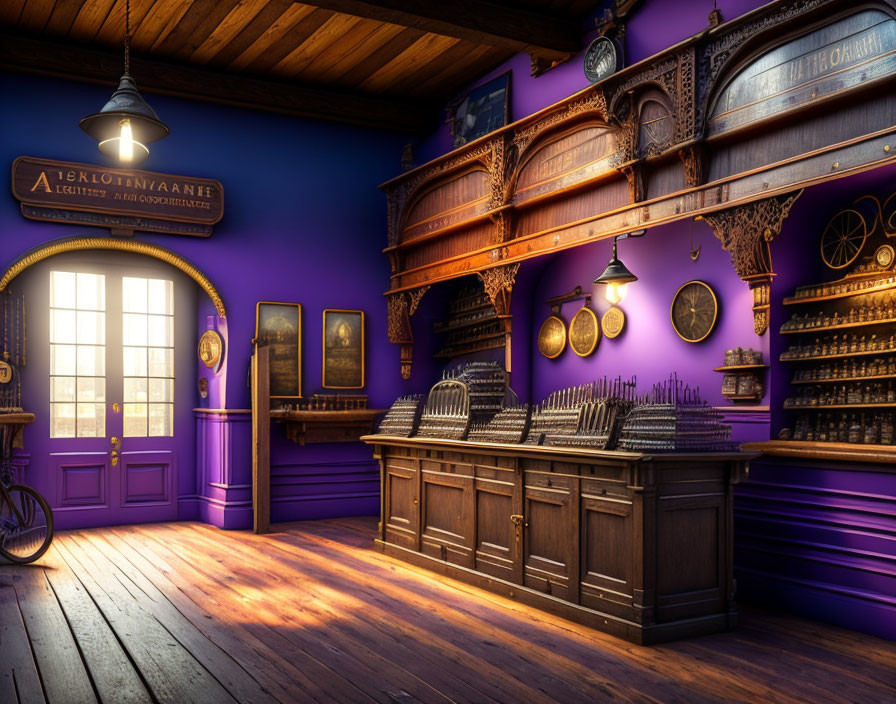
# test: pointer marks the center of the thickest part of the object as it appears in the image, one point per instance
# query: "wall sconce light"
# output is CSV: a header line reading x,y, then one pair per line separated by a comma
x,y
617,275
127,123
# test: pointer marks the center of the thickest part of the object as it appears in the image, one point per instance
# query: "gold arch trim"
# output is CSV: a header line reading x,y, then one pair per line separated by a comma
x,y
79,244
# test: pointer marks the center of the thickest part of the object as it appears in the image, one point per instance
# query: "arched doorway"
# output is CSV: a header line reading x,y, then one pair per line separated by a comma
x,y
111,378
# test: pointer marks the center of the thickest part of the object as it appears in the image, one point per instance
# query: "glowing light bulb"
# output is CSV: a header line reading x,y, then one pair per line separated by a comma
x,y
126,142
615,292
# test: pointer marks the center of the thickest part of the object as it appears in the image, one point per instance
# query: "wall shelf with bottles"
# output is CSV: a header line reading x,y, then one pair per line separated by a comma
x,y
471,324
849,402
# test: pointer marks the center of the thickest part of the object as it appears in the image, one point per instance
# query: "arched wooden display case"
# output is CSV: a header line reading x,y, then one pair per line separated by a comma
x,y
728,125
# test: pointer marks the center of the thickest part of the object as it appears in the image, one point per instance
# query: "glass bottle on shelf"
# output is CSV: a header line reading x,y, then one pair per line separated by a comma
x,y
855,430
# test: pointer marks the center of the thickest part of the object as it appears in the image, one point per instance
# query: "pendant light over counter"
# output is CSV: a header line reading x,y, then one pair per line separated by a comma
x,y
617,275
127,123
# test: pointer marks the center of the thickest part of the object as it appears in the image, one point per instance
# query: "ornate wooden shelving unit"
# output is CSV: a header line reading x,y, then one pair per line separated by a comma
x,y
472,324
846,406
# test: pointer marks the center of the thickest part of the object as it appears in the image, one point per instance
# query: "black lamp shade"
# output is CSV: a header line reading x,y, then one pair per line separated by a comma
x,y
126,103
616,273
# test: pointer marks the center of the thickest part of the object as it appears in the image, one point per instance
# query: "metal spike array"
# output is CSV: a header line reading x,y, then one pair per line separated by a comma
x,y
472,393
583,416
509,426
402,419
673,417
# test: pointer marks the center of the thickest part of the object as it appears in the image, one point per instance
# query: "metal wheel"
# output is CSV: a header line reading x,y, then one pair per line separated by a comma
x,y
843,239
26,524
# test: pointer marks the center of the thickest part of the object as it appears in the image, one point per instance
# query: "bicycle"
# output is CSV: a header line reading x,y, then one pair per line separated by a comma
x,y
26,521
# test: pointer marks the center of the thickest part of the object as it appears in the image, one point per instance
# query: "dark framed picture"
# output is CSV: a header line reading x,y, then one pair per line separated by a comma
x,y
483,110
279,326
343,349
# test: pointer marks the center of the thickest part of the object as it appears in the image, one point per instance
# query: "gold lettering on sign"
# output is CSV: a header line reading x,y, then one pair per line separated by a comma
x,y
42,182
849,51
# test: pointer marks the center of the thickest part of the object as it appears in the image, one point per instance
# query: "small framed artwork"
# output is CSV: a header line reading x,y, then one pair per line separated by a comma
x,y
279,326
483,110
343,349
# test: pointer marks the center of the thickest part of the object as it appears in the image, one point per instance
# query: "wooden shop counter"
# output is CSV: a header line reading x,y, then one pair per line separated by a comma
x,y
636,545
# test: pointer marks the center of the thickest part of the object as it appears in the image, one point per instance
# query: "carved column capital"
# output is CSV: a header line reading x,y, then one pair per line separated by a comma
x,y
498,283
745,232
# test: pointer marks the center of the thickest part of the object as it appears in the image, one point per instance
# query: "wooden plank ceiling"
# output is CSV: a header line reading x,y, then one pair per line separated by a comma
x,y
402,58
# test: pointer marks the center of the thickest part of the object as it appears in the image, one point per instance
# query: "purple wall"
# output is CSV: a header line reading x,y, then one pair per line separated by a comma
x,y
303,222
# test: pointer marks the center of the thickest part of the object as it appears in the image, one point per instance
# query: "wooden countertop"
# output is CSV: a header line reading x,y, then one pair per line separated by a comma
x,y
841,451
505,448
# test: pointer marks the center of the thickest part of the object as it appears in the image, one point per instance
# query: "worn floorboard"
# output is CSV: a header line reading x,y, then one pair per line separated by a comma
x,y
183,612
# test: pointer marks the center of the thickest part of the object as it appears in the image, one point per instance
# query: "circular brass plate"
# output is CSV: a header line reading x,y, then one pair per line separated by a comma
x,y
5,373
613,322
211,346
694,311
584,332
552,337
884,256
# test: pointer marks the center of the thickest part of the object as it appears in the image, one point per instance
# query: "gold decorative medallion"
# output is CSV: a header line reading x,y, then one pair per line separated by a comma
x,y
552,337
613,322
694,311
584,332
211,346
5,373
884,256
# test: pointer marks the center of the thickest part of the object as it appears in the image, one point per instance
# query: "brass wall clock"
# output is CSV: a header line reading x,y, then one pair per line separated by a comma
x,y
211,347
884,256
584,332
694,311
613,322
552,337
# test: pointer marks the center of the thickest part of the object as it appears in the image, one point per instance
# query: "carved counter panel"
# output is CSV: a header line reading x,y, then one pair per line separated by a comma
x,y
634,545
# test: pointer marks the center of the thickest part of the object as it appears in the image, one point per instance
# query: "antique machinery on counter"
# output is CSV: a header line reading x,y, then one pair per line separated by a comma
x,y
472,393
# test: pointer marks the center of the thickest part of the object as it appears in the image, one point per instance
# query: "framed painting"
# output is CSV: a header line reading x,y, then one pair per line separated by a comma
x,y
483,110
343,349
279,326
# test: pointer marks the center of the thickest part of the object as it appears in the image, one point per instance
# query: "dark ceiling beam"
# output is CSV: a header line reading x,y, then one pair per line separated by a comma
x,y
75,62
477,21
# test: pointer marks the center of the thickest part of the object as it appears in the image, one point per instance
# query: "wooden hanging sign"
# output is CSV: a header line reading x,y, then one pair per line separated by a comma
x,y
123,200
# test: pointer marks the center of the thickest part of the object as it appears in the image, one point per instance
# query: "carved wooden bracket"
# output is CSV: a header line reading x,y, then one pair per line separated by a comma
x,y
745,232
498,283
402,306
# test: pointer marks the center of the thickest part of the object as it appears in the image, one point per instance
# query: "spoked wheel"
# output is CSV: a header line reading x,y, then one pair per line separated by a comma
x,y
843,239
26,526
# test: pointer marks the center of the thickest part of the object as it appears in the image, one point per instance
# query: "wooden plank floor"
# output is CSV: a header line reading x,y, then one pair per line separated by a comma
x,y
183,612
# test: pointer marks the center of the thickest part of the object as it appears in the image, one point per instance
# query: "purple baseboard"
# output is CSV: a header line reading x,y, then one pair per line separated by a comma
x,y
823,602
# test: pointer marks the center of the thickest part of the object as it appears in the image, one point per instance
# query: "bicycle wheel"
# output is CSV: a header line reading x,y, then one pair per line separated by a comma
x,y
25,533
843,239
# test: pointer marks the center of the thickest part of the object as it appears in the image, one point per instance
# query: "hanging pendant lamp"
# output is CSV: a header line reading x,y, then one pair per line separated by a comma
x,y
127,123
617,275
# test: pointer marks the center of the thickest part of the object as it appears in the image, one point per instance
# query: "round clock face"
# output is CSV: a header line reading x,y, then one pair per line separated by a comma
x,y
694,311
884,255
584,332
552,337
600,59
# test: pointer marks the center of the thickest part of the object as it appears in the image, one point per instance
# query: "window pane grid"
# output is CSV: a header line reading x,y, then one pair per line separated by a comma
x,y
77,355
148,349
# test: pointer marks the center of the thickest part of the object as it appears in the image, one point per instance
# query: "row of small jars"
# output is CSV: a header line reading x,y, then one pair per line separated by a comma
x,y
836,288
837,427
840,344
843,394
861,314
849,368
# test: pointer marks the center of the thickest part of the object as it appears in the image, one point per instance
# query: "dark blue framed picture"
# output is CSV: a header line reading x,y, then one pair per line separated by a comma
x,y
483,110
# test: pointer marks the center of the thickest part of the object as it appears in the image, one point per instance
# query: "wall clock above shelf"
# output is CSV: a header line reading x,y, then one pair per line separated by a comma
x,y
694,311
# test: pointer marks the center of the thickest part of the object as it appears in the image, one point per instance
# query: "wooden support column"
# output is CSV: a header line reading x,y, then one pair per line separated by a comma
x,y
745,232
261,440
498,283
402,306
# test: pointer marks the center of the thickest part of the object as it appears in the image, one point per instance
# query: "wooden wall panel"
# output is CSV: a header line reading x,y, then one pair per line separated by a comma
x,y
606,196
450,246
454,201
565,161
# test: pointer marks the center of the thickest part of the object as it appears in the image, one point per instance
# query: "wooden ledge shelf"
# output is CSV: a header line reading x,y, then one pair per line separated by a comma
x,y
303,427
792,301
839,355
740,367
837,406
840,451
841,326
838,380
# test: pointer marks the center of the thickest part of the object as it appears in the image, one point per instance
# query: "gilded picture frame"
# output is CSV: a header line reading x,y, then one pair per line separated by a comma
x,y
279,325
343,349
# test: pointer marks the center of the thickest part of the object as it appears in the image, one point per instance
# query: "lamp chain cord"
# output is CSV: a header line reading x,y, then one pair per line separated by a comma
x,y
127,37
